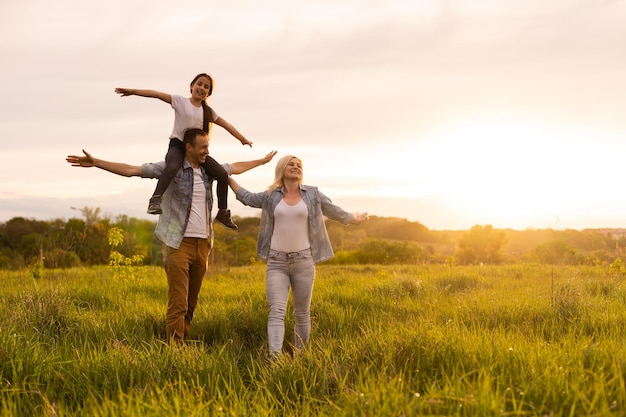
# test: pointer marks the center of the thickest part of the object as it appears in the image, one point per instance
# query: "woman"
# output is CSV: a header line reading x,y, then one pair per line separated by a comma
x,y
292,239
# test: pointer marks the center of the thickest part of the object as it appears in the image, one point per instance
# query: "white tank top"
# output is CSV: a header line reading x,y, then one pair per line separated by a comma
x,y
291,227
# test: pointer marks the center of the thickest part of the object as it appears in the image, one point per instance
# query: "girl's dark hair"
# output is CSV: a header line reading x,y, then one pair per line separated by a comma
x,y
203,75
205,107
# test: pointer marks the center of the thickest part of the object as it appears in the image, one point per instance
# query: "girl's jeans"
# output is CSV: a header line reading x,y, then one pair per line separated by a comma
x,y
295,269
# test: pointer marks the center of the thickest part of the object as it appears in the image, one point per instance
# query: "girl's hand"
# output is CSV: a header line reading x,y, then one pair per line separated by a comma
x,y
124,92
245,141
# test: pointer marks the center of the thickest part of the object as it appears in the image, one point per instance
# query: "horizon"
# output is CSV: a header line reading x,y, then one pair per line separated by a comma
x,y
247,212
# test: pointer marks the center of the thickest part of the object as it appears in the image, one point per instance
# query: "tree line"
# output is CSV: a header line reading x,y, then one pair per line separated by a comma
x,y
61,243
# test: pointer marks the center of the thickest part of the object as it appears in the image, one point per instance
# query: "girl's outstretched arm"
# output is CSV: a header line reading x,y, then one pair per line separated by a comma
x,y
231,129
144,93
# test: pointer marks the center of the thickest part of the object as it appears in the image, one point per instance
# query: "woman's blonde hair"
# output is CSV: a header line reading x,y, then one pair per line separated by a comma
x,y
280,172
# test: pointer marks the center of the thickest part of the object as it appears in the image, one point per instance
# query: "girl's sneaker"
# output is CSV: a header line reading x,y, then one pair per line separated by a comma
x,y
155,205
223,216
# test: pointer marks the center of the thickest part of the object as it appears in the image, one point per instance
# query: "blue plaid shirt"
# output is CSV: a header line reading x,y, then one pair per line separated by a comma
x,y
318,206
176,202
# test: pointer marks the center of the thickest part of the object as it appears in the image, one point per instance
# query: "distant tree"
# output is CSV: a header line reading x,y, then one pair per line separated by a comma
x,y
93,248
599,257
76,233
482,244
92,215
345,238
397,229
519,243
59,258
6,258
587,239
138,238
381,251
18,228
557,251
236,252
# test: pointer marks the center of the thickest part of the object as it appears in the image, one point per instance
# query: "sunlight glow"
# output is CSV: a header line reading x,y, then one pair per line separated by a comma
x,y
501,170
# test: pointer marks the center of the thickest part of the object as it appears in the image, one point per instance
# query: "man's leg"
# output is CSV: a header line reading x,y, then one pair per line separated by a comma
x,y
197,271
177,270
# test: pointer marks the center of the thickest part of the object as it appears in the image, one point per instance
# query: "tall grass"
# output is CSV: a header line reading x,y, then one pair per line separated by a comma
x,y
520,340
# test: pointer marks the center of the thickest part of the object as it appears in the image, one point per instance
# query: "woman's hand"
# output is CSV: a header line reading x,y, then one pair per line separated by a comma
x,y
359,218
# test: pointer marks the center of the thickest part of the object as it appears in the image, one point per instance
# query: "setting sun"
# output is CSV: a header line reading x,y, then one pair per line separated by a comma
x,y
501,170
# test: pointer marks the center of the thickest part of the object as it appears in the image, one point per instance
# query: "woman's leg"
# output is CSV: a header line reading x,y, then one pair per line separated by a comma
x,y
277,292
302,279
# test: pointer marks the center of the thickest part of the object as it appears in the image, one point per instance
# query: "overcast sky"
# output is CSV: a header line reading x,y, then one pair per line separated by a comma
x,y
450,113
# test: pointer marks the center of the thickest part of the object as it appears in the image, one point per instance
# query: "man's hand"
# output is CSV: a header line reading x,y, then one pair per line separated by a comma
x,y
118,168
267,157
86,161
243,166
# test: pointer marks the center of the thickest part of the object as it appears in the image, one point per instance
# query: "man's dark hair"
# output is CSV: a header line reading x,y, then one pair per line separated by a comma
x,y
190,136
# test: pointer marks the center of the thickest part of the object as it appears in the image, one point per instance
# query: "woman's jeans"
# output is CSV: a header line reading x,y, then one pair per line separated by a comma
x,y
284,270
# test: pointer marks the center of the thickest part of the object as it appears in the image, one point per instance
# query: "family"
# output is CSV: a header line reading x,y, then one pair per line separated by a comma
x,y
292,235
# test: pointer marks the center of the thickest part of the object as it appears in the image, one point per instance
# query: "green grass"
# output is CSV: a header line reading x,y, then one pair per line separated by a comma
x,y
519,340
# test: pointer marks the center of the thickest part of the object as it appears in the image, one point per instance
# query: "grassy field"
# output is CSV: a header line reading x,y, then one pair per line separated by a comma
x,y
519,340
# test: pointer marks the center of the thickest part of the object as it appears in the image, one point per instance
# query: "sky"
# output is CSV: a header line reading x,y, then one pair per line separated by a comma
x,y
449,113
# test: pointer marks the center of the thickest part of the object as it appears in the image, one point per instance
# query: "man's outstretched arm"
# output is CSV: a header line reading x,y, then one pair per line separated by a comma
x,y
118,168
126,170
243,166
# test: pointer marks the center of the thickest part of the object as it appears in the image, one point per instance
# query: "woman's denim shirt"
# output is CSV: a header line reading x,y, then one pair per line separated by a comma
x,y
318,206
176,202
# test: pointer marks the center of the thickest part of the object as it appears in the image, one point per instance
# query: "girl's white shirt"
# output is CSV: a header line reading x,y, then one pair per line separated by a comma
x,y
187,116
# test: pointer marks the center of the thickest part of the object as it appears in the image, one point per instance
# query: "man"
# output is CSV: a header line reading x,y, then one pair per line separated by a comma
x,y
185,225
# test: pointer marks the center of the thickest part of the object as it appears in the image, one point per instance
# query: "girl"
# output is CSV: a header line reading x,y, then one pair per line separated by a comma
x,y
192,112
